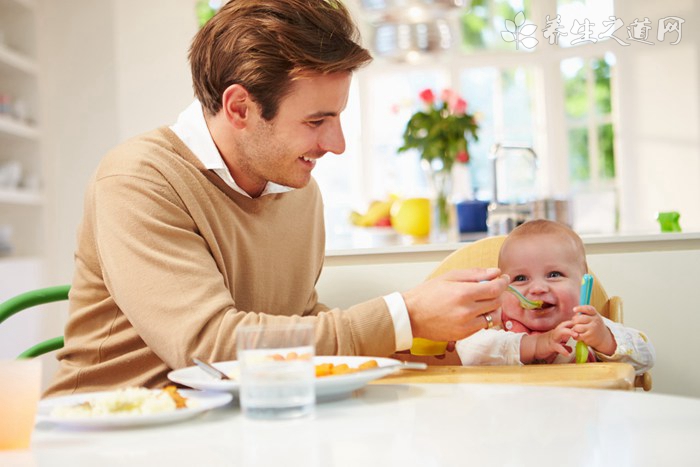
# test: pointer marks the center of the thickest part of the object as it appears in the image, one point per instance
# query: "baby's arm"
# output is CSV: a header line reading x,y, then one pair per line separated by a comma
x,y
490,347
545,346
633,347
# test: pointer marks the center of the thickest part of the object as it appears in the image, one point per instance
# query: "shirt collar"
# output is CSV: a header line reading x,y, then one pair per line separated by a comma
x,y
192,129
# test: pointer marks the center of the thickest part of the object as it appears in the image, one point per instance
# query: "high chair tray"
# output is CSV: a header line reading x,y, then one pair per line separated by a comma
x,y
601,375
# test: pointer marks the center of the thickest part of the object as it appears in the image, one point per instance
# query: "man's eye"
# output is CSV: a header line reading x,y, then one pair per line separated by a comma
x,y
519,278
315,123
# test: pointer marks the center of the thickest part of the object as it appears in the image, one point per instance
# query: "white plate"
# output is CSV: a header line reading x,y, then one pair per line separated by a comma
x,y
327,387
200,402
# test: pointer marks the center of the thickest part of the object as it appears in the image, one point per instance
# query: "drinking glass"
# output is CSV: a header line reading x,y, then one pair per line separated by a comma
x,y
277,370
19,399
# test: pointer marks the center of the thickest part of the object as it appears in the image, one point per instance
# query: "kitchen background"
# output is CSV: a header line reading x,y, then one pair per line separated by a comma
x,y
616,128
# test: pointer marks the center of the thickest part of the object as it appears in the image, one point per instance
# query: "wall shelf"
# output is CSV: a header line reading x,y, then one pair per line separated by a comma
x,y
23,197
13,127
21,208
10,58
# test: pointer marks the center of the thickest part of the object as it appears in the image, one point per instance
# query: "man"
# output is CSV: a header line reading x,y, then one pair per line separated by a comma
x,y
214,222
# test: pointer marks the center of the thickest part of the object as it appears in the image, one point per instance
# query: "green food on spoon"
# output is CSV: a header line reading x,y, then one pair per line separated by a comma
x,y
525,302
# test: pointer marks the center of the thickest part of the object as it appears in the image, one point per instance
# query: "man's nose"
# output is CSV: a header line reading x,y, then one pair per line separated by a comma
x,y
332,139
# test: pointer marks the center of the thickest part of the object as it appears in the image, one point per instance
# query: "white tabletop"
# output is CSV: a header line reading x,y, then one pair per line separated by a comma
x,y
406,425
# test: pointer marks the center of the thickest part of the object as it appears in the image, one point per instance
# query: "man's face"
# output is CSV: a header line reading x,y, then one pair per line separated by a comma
x,y
544,267
307,126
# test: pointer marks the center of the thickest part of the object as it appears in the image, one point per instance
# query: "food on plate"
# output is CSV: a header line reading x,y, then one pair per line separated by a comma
x,y
127,401
330,369
322,369
290,356
179,399
327,369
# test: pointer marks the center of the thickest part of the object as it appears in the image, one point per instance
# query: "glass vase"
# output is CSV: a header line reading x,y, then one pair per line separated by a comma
x,y
443,226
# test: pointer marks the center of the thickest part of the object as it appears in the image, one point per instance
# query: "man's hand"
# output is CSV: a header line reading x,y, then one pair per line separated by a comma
x,y
451,307
590,328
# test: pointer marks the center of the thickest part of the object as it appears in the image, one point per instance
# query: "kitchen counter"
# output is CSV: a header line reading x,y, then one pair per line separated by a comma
x,y
383,241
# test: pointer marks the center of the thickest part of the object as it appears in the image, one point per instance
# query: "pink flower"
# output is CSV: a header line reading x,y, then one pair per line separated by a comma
x,y
427,96
448,95
462,156
460,106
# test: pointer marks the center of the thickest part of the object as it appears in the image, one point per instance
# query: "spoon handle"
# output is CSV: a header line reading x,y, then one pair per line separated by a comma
x,y
210,369
586,290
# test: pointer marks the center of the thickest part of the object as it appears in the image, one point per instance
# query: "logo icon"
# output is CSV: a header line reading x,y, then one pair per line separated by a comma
x,y
519,32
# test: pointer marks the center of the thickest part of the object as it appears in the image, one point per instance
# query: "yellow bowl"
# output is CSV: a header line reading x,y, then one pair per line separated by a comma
x,y
427,347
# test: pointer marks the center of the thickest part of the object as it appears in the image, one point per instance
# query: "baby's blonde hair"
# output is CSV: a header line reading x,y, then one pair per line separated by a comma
x,y
542,227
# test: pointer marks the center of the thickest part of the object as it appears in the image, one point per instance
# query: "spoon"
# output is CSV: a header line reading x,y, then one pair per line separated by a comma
x,y
586,289
210,369
525,302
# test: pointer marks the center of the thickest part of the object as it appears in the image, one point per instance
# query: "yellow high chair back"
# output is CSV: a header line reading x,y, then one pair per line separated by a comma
x,y
484,254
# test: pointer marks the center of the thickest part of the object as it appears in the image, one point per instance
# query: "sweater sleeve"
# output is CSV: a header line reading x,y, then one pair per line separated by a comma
x,y
633,347
490,347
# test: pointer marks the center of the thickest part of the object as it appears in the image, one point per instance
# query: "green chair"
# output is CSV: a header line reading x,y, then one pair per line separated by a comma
x,y
29,299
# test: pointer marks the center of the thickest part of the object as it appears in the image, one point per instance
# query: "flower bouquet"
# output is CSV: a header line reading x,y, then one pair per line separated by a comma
x,y
441,133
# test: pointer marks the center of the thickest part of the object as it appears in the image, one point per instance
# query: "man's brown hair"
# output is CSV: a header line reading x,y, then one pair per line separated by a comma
x,y
263,45
542,227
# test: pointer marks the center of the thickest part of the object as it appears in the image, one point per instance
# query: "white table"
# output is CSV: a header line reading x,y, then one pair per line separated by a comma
x,y
407,425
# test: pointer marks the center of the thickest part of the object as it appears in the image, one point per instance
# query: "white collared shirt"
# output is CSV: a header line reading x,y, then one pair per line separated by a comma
x,y
191,128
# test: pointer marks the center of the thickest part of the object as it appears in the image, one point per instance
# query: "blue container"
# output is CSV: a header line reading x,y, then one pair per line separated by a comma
x,y
471,215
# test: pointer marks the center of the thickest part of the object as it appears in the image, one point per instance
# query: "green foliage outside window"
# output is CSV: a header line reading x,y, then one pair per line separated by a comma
x,y
579,167
482,23
601,73
607,156
205,10
578,105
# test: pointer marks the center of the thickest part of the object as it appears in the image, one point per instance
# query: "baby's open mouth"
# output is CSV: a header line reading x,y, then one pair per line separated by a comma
x,y
545,306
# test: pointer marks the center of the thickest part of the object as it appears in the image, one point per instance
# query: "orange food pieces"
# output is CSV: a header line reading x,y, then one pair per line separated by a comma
x,y
180,401
324,369
329,369
289,356
368,364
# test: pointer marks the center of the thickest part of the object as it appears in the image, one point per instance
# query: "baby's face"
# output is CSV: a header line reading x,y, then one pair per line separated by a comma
x,y
545,267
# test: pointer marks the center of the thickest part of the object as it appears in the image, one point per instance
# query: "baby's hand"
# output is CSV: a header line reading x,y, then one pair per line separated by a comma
x,y
550,343
588,327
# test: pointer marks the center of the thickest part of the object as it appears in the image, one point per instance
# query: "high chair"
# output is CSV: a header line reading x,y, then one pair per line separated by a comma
x,y
484,254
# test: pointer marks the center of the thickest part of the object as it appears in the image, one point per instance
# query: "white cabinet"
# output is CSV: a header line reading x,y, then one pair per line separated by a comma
x,y
21,199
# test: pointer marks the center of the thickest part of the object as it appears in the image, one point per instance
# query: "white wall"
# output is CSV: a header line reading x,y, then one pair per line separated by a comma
x,y
114,68
659,126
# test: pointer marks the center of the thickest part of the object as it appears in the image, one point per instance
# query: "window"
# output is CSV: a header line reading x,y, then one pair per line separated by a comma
x,y
589,119
508,89
503,100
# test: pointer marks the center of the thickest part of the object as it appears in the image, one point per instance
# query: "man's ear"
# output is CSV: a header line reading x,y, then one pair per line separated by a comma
x,y
236,105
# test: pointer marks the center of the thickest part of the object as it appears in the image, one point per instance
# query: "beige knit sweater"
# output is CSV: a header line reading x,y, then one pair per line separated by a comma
x,y
170,260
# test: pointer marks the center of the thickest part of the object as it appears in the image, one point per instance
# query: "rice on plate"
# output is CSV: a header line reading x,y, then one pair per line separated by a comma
x,y
127,401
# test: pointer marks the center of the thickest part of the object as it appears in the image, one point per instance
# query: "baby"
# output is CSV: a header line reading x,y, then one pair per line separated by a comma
x,y
546,261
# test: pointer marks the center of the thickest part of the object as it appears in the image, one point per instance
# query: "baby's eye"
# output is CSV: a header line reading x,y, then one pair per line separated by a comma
x,y
519,278
555,274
